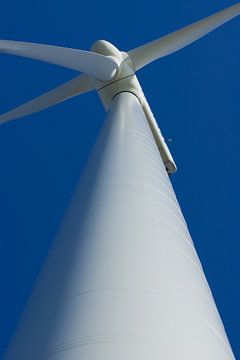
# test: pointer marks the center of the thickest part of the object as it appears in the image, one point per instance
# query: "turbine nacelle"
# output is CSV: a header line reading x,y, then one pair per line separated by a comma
x,y
123,80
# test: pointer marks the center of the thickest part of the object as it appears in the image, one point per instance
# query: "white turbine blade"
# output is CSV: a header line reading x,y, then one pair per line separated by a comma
x,y
79,85
88,62
175,41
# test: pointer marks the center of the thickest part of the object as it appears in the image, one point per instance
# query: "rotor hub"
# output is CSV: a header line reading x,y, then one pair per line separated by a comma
x,y
123,81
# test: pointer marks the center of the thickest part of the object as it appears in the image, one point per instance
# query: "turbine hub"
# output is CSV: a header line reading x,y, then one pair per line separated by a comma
x,y
104,47
123,80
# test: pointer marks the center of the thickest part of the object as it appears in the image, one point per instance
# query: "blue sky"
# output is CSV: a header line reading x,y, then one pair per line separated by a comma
x,y
194,95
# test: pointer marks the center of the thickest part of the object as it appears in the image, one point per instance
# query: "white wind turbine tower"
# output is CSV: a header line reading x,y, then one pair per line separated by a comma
x,y
122,279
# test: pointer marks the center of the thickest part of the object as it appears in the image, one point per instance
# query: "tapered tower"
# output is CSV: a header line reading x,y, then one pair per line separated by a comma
x,y
122,279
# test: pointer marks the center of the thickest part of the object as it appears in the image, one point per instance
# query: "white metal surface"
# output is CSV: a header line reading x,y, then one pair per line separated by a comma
x,y
123,280
88,62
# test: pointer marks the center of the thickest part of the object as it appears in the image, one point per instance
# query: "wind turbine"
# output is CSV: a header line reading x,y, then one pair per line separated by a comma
x,y
122,279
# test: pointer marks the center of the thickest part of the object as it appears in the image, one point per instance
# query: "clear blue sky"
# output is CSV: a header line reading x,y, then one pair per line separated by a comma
x,y
194,95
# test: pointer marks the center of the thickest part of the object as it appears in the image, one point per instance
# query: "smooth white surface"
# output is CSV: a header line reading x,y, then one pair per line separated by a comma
x,y
175,41
164,151
123,280
87,62
79,85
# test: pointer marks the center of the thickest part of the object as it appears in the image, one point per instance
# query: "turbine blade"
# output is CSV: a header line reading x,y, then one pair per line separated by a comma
x,y
79,85
175,41
96,65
